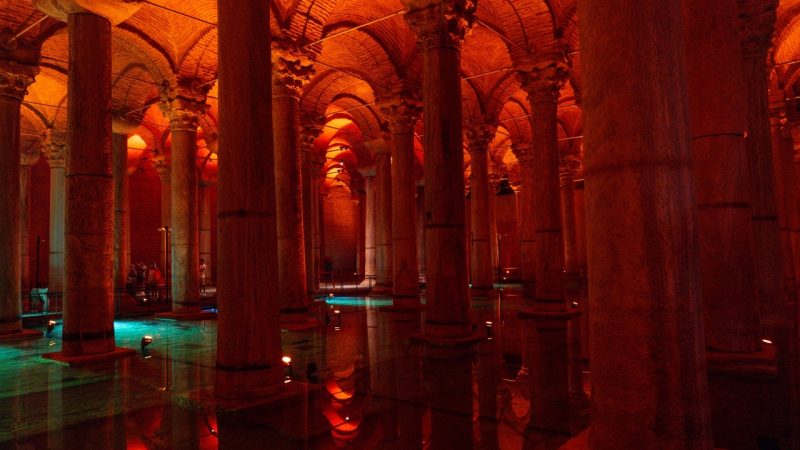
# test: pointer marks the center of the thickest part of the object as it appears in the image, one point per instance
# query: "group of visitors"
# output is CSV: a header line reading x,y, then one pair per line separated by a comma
x,y
145,282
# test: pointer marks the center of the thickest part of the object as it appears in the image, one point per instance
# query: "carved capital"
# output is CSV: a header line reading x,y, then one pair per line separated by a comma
x,y
54,148
401,112
479,134
756,26
308,133
184,103
161,165
569,166
292,69
440,23
543,81
15,79
523,151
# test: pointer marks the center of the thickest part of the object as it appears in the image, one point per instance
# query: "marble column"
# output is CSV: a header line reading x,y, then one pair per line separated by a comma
x,y
717,109
311,167
757,20
642,245
162,167
548,347
119,155
440,27
479,135
383,217
317,244
526,201
494,248
56,150
369,222
568,170
248,336
792,193
15,78
183,104
291,71
420,219
402,113
785,189
27,160
204,225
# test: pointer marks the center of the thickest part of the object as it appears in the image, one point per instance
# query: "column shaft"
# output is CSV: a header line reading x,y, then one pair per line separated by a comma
x,y
568,223
480,215
405,278
58,183
383,221
204,226
184,247
119,150
783,162
642,247
24,226
369,231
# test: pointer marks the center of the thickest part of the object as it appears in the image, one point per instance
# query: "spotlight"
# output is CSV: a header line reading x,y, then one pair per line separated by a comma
x,y
338,315
574,304
50,326
287,362
766,341
146,340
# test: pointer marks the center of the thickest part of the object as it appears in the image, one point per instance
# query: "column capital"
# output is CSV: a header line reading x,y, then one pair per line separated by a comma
x,y
292,68
15,78
543,80
401,111
184,102
54,148
440,23
161,165
756,26
479,133
367,172
523,151
378,147
569,166
28,159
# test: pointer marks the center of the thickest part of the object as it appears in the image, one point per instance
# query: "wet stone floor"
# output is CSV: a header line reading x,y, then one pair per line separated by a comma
x,y
360,381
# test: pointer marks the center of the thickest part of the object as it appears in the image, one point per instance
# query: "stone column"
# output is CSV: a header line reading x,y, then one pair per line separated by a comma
x,y
248,336
162,167
15,77
420,218
119,150
527,235
567,172
369,222
311,168
785,188
27,160
183,105
792,192
88,330
640,211
548,345
717,109
494,248
479,136
402,113
440,27
291,71
56,151
383,216
317,163
757,20
204,225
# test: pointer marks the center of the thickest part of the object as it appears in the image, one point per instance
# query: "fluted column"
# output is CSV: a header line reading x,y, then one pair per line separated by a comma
x,y
27,160
119,150
402,113
440,27
383,217
717,109
479,136
14,81
248,336
757,20
291,71
548,345
527,234
649,388
55,149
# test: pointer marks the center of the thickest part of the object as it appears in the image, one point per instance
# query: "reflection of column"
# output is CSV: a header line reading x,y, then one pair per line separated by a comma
x,y
717,111
440,28
248,337
383,218
447,373
204,226
644,285
402,113
757,20
291,70
27,160
119,156
183,105
14,81
479,136
55,149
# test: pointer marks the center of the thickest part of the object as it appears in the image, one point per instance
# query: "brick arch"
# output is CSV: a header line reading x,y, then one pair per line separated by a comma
x,y
326,85
512,117
199,60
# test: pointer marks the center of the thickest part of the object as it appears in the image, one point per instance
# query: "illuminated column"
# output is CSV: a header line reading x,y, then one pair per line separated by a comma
x,y
317,163
402,113
183,105
15,77
383,215
88,330
162,167
204,225
311,168
479,136
119,150
649,388
548,345
527,235
440,27
248,337
494,182
757,20
291,71
568,169
56,150
27,160
369,226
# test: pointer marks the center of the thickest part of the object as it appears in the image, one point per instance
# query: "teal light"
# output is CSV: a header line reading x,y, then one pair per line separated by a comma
x,y
359,301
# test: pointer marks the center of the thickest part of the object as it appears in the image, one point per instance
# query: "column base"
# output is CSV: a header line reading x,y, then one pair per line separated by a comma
x,y
82,360
186,317
761,365
20,335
